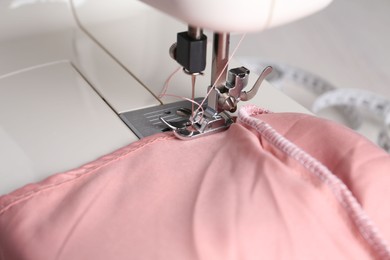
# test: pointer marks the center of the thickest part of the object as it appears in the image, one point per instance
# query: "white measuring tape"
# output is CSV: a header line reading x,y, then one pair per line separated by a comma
x,y
376,105
350,103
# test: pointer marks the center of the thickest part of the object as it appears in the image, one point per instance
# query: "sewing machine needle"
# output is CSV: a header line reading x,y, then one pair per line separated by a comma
x,y
193,77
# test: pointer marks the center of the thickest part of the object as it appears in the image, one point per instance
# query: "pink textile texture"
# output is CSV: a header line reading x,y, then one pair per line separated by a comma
x,y
273,186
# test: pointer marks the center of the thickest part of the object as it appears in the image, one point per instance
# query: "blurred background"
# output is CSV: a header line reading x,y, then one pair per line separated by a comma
x,y
347,45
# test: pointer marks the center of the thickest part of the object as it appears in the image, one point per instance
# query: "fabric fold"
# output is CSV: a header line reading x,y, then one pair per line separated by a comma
x,y
267,188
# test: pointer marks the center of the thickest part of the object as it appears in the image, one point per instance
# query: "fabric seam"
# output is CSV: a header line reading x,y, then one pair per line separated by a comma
x,y
83,171
341,192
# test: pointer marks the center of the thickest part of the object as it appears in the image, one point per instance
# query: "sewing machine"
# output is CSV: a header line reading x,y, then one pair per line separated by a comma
x,y
72,73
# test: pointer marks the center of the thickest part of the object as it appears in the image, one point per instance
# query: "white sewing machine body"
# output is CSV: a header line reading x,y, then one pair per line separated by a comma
x,y
64,81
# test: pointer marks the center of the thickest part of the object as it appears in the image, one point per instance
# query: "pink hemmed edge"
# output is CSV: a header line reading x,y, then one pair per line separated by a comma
x,y
359,218
7,201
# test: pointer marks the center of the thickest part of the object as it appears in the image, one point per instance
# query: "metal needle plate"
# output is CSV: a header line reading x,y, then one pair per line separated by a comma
x,y
146,122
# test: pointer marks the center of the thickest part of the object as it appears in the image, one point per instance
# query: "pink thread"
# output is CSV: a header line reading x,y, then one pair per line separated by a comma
x,y
166,86
192,101
220,74
200,106
166,83
363,224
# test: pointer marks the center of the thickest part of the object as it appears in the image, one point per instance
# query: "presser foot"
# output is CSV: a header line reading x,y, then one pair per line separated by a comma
x,y
213,117
203,124
222,99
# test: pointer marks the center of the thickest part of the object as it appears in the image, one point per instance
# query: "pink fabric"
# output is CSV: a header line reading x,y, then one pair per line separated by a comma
x,y
274,186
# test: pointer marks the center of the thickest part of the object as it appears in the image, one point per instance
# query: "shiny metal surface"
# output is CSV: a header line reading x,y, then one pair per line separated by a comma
x,y
245,96
221,44
207,121
236,81
220,57
60,86
148,121
195,32
108,21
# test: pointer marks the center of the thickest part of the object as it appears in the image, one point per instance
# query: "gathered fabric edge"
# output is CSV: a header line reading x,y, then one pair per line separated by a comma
x,y
246,116
343,195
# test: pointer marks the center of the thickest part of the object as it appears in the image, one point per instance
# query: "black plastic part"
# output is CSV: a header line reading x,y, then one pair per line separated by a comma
x,y
191,53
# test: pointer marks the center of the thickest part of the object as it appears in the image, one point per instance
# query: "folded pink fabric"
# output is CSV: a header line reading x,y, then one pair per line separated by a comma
x,y
273,186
